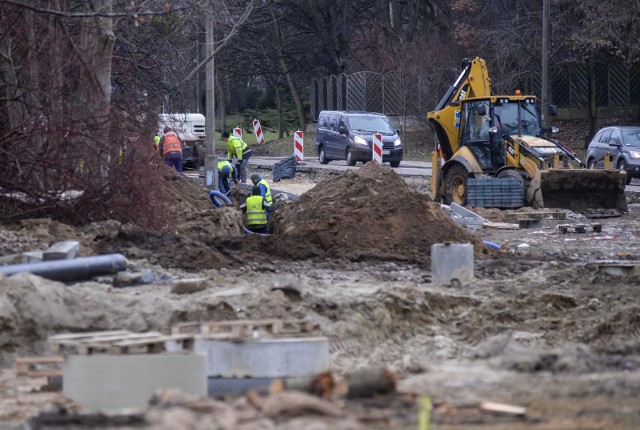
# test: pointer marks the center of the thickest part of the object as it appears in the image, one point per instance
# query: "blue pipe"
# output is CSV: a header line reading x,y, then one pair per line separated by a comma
x,y
491,244
73,269
214,195
247,231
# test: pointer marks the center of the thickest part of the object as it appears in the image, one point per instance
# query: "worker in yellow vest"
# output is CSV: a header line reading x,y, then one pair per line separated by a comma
x,y
237,148
225,170
256,209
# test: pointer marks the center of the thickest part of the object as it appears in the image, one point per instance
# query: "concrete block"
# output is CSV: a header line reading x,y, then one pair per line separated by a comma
x,y
31,257
264,358
451,261
188,286
110,382
64,250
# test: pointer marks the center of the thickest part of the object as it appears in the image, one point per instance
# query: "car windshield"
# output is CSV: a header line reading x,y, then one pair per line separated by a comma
x,y
371,124
631,137
506,117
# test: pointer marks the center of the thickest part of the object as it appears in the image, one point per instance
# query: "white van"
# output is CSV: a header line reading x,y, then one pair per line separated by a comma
x,y
190,128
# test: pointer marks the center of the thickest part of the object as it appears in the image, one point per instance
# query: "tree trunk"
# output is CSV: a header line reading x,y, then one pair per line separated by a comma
x,y
92,101
284,67
222,107
592,102
280,115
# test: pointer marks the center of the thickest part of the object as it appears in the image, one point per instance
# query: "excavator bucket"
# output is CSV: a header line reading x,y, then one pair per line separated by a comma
x,y
579,190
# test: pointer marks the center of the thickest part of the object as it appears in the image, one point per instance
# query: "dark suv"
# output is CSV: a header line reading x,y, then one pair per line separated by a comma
x,y
623,143
348,135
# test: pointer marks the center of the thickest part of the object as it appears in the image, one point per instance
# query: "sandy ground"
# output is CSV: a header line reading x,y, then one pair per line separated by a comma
x,y
545,324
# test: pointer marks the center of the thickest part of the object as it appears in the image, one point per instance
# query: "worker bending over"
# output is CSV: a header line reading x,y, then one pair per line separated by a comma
x,y
225,169
256,209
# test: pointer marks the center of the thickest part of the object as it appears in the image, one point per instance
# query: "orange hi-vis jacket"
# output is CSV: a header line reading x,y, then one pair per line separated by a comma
x,y
171,143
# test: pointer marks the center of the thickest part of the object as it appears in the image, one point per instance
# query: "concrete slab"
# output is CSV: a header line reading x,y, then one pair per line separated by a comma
x,y
109,382
264,358
218,387
64,250
31,257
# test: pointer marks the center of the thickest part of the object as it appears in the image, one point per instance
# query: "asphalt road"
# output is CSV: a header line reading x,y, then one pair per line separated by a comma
x,y
406,168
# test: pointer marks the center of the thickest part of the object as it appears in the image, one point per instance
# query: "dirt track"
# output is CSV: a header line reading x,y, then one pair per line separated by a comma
x,y
541,326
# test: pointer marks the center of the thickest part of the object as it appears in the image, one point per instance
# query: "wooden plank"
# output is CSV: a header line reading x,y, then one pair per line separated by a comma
x,y
502,408
77,336
29,366
242,328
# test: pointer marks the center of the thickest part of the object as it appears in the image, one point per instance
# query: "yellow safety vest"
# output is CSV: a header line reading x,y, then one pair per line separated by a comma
x,y
223,163
235,146
267,195
256,214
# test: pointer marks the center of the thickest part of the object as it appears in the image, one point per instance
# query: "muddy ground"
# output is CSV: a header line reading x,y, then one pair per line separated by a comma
x,y
543,325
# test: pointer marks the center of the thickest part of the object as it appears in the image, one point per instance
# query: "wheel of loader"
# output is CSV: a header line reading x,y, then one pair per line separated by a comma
x,y
455,185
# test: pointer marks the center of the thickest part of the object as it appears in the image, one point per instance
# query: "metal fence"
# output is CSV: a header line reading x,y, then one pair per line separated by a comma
x,y
617,85
362,91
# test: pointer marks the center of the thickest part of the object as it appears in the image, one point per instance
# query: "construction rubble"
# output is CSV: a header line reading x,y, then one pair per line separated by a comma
x,y
336,320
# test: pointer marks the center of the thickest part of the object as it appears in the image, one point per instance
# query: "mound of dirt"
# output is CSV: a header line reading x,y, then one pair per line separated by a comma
x,y
366,213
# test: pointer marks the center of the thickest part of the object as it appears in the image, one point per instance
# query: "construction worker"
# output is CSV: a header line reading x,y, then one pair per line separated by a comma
x,y
236,147
265,190
156,142
225,169
170,147
256,209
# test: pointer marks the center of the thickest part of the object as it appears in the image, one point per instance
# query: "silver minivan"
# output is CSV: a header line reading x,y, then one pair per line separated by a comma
x,y
348,135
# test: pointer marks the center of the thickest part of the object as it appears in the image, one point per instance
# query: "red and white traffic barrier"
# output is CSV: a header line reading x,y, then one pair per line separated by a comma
x,y
258,131
237,132
377,148
298,146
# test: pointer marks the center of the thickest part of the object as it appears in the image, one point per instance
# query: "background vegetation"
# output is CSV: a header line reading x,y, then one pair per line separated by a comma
x,y
82,83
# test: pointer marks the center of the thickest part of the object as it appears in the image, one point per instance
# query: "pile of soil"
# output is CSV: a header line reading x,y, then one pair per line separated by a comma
x,y
369,213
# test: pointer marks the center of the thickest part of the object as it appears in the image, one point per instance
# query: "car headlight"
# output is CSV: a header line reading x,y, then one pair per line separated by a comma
x,y
398,142
634,154
360,141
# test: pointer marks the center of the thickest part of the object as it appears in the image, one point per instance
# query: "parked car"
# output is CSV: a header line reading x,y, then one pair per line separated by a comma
x,y
348,135
623,143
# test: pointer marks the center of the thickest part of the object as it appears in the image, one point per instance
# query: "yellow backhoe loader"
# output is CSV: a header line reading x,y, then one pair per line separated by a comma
x,y
481,135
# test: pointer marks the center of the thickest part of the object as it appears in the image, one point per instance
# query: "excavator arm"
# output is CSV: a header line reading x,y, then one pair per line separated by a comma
x,y
473,81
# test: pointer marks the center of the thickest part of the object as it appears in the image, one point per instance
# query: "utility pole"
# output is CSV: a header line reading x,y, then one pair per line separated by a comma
x,y
211,161
545,63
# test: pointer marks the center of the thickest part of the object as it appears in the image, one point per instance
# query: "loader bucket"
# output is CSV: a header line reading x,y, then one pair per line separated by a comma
x,y
578,190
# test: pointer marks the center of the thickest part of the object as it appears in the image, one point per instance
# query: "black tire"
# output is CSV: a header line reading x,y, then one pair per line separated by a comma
x,y
455,185
350,160
590,164
509,173
395,163
622,165
322,158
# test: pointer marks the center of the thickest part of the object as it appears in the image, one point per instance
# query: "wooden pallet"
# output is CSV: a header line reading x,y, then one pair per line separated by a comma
x,y
120,342
38,367
533,216
579,228
242,328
